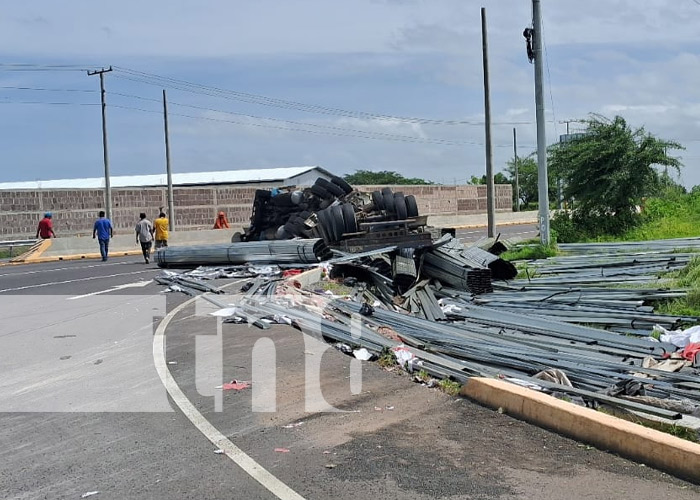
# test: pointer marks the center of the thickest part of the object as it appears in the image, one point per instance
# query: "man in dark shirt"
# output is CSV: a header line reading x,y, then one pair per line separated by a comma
x,y
103,230
144,235
45,229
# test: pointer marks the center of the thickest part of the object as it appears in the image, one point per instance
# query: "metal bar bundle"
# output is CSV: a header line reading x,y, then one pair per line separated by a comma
x,y
253,252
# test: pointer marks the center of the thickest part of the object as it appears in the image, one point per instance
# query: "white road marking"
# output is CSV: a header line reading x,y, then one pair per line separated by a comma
x,y
221,442
137,284
42,271
90,278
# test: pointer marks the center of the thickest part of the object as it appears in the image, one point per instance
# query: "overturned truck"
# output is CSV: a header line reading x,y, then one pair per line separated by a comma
x,y
340,215
377,237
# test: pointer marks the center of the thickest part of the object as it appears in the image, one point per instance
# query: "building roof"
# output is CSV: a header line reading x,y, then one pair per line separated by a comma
x,y
185,179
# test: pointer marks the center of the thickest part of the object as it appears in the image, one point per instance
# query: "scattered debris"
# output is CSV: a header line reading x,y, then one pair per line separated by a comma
x,y
291,426
363,354
234,385
219,451
430,304
282,450
89,494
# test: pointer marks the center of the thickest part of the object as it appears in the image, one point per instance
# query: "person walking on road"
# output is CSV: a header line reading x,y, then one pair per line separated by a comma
x,y
45,228
144,235
161,227
103,230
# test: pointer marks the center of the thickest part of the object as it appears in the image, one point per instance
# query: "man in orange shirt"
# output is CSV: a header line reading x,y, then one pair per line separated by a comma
x,y
161,226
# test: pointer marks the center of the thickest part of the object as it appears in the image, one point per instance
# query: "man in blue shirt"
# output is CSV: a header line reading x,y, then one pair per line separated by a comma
x,y
103,230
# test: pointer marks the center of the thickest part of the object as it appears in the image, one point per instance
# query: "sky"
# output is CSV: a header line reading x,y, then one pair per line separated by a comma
x,y
347,85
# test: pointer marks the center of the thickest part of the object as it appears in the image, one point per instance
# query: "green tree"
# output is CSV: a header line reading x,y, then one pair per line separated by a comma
x,y
609,170
498,178
528,180
383,177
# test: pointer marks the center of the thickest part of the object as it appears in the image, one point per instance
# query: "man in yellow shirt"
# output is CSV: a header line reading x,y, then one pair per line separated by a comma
x,y
161,227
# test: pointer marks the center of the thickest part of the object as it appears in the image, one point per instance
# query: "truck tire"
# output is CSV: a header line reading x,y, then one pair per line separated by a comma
x,y
400,206
342,184
349,218
377,200
411,206
321,192
330,187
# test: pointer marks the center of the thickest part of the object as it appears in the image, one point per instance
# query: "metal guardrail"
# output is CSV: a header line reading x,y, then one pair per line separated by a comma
x,y
17,243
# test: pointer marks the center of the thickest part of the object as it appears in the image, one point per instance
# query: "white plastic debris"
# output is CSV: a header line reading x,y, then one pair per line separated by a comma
x,y
219,451
362,354
89,494
226,312
679,338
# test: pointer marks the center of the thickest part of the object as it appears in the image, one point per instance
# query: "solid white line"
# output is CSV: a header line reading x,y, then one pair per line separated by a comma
x,y
42,271
90,278
245,462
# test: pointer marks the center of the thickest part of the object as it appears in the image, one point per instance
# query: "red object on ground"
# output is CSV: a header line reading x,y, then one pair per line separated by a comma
x,y
291,272
690,351
235,385
281,450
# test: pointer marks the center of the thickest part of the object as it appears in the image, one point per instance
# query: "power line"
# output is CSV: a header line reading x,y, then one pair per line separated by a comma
x,y
304,124
152,79
360,134
41,67
52,103
6,87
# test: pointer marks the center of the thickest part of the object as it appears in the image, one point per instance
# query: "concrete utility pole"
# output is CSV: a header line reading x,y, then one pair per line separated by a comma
x,y
543,184
171,203
490,188
516,168
105,153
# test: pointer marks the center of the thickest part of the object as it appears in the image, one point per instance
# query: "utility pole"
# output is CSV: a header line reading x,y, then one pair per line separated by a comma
x,y
105,153
516,167
543,191
171,204
490,188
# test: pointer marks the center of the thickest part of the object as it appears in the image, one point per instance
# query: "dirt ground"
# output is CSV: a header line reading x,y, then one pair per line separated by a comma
x,y
399,439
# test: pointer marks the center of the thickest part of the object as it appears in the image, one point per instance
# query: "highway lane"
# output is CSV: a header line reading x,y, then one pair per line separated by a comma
x,y
73,277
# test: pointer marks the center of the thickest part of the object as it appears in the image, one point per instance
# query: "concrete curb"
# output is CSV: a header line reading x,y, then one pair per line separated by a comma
x,y
58,258
660,450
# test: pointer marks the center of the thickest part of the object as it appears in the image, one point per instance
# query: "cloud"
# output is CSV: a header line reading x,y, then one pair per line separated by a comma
x,y
419,58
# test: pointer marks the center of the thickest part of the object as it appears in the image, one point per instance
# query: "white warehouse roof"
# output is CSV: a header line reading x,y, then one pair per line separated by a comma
x,y
258,175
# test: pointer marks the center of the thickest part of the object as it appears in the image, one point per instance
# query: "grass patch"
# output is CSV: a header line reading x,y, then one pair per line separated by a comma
x,y
688,277
449,387
530,252
6,254
387,358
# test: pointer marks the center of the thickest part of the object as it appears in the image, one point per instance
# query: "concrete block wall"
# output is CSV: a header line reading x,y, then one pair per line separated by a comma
x,y
75,210
454,200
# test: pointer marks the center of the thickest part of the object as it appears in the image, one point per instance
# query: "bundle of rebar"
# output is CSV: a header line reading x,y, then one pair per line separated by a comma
x,y
299,251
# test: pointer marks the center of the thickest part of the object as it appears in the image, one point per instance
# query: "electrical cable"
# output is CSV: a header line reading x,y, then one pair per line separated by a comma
x,y
152,79
48,90
304,124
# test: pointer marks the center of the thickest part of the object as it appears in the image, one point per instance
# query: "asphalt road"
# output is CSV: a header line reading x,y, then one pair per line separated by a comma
x,y
82,409
522,231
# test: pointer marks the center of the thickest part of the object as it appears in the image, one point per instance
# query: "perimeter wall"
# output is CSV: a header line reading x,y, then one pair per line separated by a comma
x,y
74,211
